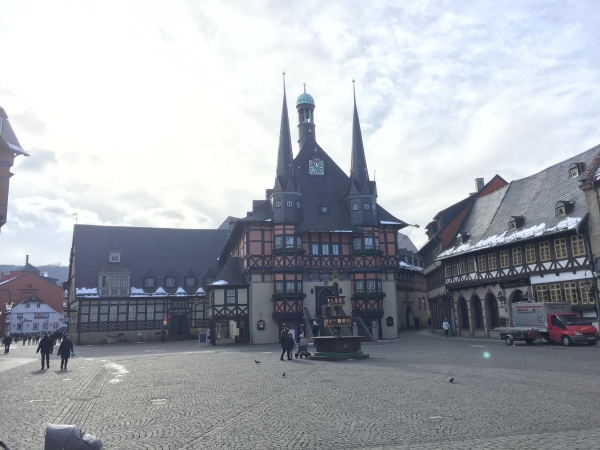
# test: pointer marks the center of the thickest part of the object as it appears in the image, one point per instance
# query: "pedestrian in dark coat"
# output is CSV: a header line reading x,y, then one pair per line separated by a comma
x,y
283,340
64,351
315,329
45,347
162,335
7,341
291,345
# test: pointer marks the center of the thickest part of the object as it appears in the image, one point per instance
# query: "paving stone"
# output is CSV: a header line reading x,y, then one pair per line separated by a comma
x,y
178,396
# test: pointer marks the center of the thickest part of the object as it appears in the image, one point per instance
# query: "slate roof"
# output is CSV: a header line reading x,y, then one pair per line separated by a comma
x,y
405,242
152,250
535,198
328,189
8,138
232,273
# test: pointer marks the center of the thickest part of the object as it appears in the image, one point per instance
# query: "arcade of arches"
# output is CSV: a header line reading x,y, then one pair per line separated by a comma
x,y
477,316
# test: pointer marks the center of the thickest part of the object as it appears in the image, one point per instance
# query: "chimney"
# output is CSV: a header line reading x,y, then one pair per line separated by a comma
x,y
26,259
478,184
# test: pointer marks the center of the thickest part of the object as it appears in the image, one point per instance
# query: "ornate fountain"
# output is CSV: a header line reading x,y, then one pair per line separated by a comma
x,y
340,346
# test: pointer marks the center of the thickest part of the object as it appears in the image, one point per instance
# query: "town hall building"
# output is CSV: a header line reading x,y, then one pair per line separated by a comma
x,y
273,268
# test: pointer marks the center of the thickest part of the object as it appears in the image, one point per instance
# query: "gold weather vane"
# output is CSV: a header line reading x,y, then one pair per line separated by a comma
x,y
304,87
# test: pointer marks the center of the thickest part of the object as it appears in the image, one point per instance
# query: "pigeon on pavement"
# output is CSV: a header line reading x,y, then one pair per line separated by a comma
x,y
257,362
451,380
283,375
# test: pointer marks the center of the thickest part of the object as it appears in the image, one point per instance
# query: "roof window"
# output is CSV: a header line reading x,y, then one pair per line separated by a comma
x,y
463,238
575,170
563,208
323,208
515,222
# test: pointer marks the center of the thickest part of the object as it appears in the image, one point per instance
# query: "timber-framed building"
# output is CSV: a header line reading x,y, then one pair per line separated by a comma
x,y
526,241
272,268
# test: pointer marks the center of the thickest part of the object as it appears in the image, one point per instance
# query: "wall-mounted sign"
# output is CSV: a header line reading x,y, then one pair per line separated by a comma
x,y
41,315
260,325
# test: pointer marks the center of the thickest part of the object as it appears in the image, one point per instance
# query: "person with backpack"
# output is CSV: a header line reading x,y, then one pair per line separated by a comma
x,y
64,351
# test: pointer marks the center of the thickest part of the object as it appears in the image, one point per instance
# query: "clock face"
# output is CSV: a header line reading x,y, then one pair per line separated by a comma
x,y
316,167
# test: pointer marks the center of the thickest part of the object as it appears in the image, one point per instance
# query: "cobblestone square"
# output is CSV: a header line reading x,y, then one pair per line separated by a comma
x,y
178,395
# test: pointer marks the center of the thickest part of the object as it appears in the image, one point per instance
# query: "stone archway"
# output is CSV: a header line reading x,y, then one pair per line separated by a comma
x,y
410,317
478,323
463,315
491,311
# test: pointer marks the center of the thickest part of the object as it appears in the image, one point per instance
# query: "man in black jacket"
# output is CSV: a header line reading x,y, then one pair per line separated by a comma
x,y
45,347
7,341
64,351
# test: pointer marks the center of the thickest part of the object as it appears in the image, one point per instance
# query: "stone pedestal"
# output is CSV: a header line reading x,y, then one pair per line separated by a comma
x,y
338,348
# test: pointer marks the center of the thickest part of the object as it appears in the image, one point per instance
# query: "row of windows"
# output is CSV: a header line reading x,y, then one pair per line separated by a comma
x,y
291,287
115,281
293,242
289,204
171,282
490,261
569,292
371,286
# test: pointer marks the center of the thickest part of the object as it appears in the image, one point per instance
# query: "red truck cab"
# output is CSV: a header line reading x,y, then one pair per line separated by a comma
x,y
571,328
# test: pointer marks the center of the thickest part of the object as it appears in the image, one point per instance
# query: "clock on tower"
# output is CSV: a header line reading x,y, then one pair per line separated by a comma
x,y
316,167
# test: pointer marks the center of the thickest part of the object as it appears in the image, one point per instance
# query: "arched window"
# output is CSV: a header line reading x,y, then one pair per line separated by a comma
x,y
464,313
478,313
492,305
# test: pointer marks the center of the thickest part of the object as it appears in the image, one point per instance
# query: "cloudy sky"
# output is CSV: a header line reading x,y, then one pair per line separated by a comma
x,y
166,113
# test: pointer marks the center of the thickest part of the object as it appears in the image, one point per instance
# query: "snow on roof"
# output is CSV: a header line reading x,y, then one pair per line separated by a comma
x,y
180,291
387,222
410,266
537,230
201,291
219,283
86,292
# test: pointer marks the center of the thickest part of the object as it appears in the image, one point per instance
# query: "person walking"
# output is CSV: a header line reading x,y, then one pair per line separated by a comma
x,y
7,341
29,339
291,345
315,329
446,327
45,347
283,340
417,324
429,323
163,333
64,351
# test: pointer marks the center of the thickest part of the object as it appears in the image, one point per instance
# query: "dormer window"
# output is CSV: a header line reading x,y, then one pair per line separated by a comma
x,y
324,209
355,207
170,282
366,206
149,282
515,222
208,281
463,238
289,203
190,282
278,204
563,208
575,170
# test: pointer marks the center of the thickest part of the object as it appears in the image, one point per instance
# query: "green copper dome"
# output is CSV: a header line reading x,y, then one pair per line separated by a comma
x,y
304,99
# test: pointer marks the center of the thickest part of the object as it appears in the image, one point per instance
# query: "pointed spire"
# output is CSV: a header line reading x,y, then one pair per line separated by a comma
x,y
358,168
285,158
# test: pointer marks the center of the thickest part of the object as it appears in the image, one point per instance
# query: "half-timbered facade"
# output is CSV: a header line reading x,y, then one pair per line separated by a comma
x,y
128,283
272,268
525,241
440,232
316,222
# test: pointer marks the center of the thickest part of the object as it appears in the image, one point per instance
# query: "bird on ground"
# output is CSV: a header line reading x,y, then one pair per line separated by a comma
x,y
283,375
257,362
451,380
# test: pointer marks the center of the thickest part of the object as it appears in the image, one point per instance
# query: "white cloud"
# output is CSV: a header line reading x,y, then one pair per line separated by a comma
x,y
167,113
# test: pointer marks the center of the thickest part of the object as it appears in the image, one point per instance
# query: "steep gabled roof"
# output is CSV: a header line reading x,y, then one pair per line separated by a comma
x,y
232,274
8,138
145,252
534,198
